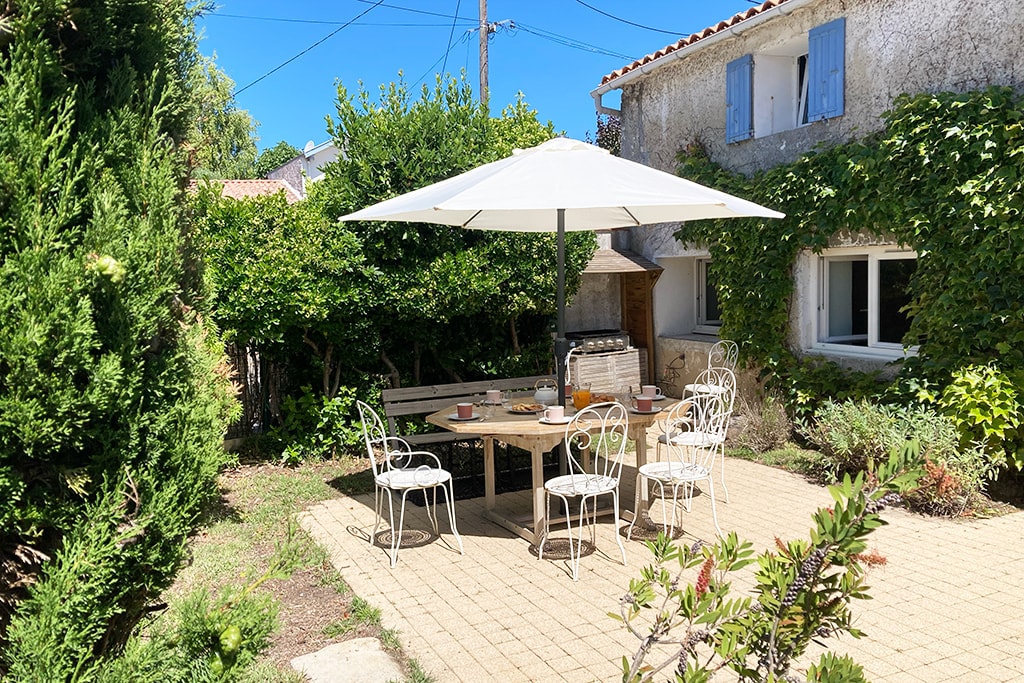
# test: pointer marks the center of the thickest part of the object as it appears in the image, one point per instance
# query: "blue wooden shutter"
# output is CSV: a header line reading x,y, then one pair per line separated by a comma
x,y
826,64
739,100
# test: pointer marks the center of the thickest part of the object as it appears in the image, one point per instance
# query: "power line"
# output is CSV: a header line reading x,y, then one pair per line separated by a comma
x,y
416,11
570,42
631,23
464,36
326,22
289,61
451,33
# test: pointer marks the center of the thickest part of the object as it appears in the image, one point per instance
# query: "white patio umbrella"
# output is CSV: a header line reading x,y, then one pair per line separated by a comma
x,y
560,185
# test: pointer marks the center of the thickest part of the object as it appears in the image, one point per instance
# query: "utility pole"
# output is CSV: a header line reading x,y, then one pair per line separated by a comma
x,y
484,33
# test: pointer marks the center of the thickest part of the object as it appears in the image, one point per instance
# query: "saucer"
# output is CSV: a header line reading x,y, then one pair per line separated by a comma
x,y
658,397
454,417
652,411
563,421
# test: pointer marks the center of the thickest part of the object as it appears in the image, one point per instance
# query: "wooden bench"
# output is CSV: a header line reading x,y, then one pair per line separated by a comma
x,y
429,399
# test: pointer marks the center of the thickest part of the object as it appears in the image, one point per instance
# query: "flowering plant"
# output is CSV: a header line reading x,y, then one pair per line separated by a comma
x,y
802,592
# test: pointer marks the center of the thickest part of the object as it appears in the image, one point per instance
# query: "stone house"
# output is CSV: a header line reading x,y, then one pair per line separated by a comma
x,y
306,167
768,85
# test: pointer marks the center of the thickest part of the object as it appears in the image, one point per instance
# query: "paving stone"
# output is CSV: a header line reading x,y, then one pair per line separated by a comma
x,y
360,660
499,604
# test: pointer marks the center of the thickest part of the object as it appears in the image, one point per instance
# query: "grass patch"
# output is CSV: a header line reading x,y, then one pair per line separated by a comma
x,y
253,517
790,457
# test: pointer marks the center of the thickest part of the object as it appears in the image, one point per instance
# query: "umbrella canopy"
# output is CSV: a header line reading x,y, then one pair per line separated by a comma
x,y
561,185
597,190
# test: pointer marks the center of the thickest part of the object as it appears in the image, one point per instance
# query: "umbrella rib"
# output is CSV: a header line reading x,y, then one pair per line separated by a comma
x,y
470,220
630,214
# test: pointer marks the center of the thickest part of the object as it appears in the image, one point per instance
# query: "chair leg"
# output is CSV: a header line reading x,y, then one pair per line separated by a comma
x,y
714,512
636,507
449,494
547,527
574,559
721,454
618,536
427,504
396,535
377,503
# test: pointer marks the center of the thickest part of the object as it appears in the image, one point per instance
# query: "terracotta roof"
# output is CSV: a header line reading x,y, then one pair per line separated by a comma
x,y
694,38
614,261
239,189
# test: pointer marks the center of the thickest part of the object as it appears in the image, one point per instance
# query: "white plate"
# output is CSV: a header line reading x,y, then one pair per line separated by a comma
x,y
454,417
659,397
652,411
526,412
563,421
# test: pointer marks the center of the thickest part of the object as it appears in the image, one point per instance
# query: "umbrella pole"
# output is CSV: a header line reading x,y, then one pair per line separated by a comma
x,y
561,343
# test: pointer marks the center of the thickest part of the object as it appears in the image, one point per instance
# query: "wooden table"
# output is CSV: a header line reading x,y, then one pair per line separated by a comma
x,y
528,433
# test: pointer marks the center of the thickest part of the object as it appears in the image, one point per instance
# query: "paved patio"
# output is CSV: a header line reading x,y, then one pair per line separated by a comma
x,y
948,605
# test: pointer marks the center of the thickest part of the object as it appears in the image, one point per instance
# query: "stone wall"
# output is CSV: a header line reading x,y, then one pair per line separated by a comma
x,y
892,47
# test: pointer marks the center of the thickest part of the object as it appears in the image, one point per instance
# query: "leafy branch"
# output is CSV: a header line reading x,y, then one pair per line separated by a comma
x,y
802,593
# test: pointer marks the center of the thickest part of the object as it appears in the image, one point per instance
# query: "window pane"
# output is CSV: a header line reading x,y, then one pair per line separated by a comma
x,y
848,300
712,314
893,280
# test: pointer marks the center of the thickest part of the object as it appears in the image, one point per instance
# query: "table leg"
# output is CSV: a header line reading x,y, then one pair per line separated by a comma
x,y
539,508
639,435
641,460
488,473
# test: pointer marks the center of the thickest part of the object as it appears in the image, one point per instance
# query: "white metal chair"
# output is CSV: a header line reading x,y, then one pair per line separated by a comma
x,y
394,473
724,353
720,382
598,434
694,427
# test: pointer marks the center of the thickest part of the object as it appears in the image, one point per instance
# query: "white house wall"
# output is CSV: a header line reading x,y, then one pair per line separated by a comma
x,y
596,304
891,47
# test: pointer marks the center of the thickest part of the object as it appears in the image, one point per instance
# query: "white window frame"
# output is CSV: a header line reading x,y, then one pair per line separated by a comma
x,y
874,348
700,271
778,93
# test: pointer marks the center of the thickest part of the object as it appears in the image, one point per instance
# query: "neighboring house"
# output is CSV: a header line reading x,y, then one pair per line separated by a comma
x,y
767,86
239,189
307,166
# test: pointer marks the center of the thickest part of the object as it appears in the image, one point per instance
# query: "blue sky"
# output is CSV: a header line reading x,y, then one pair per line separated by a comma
x,y
285,61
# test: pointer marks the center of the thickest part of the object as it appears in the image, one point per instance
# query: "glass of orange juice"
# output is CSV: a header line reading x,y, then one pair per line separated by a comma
x,y
580,395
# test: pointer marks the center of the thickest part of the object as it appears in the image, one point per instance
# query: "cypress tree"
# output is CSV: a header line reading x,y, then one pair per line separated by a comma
x,y
113,391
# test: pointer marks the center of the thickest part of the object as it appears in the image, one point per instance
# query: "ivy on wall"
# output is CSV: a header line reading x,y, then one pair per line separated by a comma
x,y
943,178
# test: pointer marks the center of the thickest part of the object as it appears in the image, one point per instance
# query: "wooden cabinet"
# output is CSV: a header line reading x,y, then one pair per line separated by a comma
x,y
610,371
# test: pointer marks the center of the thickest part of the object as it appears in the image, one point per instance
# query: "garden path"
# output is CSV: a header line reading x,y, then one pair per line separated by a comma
x,y
946,607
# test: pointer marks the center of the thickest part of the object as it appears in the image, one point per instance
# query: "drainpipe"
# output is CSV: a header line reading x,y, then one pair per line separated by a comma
x,y
783,10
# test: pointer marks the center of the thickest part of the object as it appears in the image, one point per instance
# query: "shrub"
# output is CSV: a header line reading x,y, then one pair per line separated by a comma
x,y
315,427
987,406
766,426
113,394
803,592
853,434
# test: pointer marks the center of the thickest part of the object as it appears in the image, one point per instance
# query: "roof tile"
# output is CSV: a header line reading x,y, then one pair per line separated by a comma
x,y
693,38
240,189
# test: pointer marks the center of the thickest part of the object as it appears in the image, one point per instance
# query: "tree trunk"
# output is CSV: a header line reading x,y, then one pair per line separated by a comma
x,y
396,377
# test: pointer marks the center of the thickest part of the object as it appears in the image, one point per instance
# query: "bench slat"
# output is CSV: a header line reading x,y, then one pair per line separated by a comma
x,y
430,399
463,389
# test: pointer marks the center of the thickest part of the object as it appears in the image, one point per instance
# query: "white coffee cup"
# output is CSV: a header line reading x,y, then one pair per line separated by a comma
x,y
649,390
554,413
494,396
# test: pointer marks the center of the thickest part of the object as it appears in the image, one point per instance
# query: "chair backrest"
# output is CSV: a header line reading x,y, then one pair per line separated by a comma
x,y
385,452
724,353
699,430
601,428
720,381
